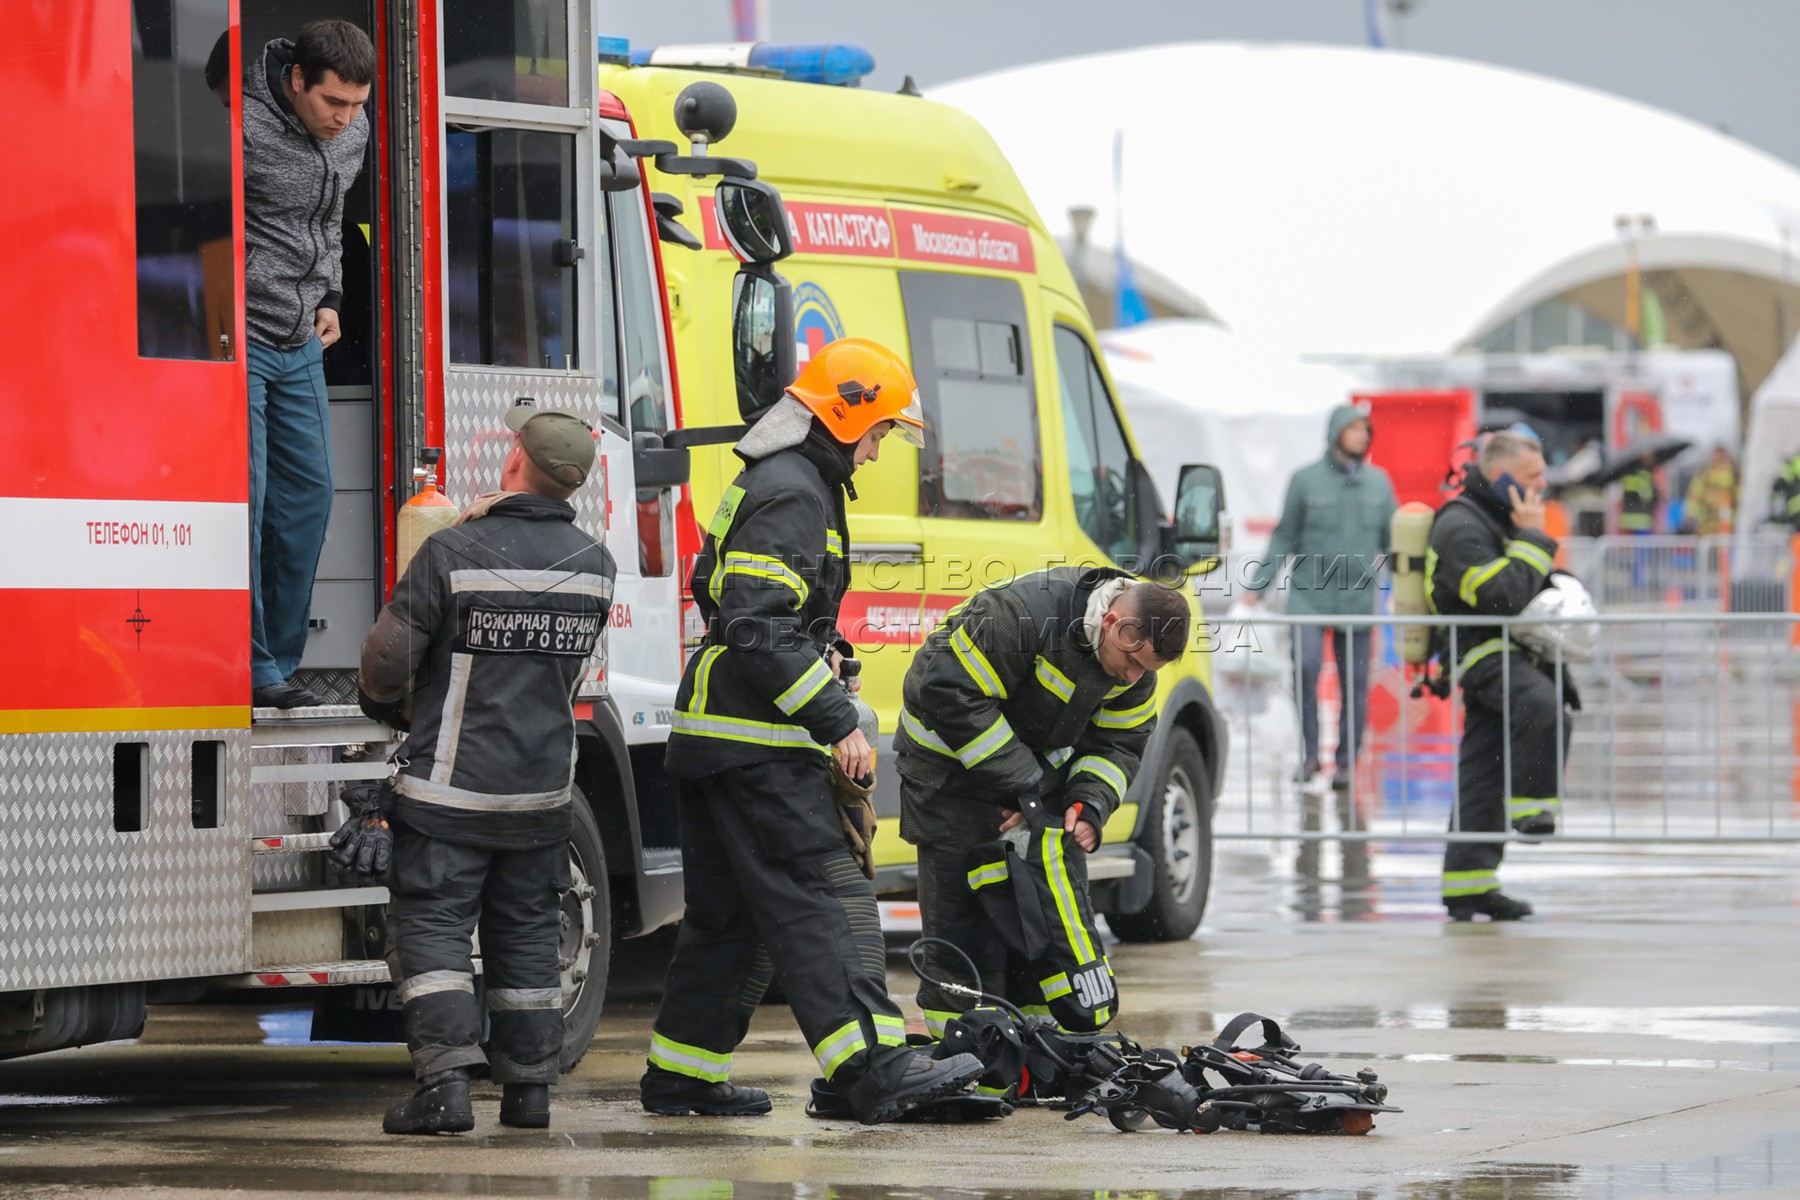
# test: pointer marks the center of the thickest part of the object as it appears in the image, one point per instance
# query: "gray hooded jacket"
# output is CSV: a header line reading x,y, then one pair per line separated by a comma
x,y
294,187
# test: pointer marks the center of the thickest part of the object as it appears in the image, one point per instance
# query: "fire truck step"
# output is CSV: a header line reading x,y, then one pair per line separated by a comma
x,y
319,974
291,843
340,772
325,725
341,897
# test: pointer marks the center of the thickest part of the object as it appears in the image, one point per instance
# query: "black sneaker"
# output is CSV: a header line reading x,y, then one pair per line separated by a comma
x,y
1495,906
667,1094
1340,780
441,1105
525,1105
286,694
1306,771
924,1080
1538,824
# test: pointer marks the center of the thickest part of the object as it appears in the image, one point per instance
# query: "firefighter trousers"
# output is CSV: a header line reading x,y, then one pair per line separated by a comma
x,y
441,892
766,871
1506,704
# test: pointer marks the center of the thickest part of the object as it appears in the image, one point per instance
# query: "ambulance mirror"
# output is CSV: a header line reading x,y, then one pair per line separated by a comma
x,y
1199,514
762,338
753,220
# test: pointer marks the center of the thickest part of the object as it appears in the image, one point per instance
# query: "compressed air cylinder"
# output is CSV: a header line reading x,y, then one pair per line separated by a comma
x,y
1410,535
426,513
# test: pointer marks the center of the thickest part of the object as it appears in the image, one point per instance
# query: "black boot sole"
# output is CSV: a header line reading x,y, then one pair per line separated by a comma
x,y
705,1110
895,1106
439,1122
530,1120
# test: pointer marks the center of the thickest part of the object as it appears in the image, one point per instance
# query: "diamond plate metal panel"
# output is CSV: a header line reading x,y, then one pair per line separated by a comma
x,y
83,904
476,441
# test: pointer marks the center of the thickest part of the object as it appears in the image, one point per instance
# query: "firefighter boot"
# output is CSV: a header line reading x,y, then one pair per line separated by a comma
x,y
879,1096
1495,906
966,1108
525,1105
441,1105
670,1095
1537,824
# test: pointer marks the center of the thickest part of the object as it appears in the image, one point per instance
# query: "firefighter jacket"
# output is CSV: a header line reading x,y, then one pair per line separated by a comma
x,y
491,627
767,583
1007,696
1785,503
1479,565
1637,505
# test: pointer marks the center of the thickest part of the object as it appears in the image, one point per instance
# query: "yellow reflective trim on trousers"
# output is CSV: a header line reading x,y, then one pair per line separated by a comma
x,y
1470,883
839,1047
1056,987
1477,575
936,1020
810,684
1480,651
1107,770
735,729
977,665
1063,888
703,676
693,1061
1524,806
1525,552
889,1031
983,747
762,566
1054,680
988,873
1125,718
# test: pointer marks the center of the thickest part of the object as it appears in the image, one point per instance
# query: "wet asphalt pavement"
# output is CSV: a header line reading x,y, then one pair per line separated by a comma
x,y
1640,1038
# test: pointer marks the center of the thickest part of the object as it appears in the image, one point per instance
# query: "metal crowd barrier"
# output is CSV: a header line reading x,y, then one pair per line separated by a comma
x,y
1689,732
1724,573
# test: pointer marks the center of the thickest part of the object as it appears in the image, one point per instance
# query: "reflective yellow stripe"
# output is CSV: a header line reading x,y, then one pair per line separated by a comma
x,y
976,663
1470,883
838,1047
889,1031
1523,806
983,747
1059,756
703,676
1125,718
1063,888
1475,655
1525,552
1475,576
1056,987
762,566
1115,693
988,873
1107,770
1054,680
692,1061
917,731
726,513
834,542
810,683
937,1019
1102,1016
735,729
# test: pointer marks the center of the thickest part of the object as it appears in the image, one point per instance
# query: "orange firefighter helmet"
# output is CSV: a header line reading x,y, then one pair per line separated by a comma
x,y
854,384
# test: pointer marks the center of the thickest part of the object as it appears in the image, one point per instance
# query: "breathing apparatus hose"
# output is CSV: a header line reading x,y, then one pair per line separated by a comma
x,y
915,958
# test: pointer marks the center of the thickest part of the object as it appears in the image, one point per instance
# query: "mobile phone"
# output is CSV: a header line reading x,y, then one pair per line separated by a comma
x,y
1506,485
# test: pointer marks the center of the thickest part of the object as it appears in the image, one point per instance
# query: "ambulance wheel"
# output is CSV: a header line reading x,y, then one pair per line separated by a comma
x,y
1177,835
585,950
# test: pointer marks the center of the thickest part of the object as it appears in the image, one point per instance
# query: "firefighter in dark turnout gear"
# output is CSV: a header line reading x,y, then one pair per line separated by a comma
x,y
1043,687
1489,556
1638,499
488,634
756,716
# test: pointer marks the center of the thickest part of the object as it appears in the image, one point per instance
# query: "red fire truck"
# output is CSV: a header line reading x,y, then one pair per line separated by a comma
x,y
158,839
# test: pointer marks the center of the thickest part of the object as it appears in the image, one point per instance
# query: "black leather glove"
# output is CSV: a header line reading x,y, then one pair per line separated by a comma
x,y
364,844
391,713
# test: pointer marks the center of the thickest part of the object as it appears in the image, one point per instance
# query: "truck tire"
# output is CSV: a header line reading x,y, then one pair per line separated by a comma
x,y
1177,835
586,948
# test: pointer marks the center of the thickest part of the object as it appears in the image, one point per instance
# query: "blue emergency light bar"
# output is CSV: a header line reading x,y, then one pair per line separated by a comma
x,y
838,64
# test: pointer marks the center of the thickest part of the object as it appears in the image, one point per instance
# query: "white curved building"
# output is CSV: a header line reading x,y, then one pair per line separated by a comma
x,y
1365,202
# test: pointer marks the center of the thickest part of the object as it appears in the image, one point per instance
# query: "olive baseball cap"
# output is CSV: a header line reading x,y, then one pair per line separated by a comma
x,y
558,441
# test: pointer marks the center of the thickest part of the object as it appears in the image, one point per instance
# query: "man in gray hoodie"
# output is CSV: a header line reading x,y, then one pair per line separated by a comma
x,y
1333,533
304,138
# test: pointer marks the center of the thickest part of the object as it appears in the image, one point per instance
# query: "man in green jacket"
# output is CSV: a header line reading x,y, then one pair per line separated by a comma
x,y
1332,536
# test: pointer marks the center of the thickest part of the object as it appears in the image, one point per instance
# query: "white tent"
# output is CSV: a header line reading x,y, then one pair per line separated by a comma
x,y
1773,438
1355,201
1194,392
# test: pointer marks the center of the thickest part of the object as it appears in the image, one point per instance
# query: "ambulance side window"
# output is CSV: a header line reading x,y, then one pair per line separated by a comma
x,y
1099,457
971,355
186,267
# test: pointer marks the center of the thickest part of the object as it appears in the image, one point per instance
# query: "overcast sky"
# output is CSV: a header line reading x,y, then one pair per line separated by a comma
x,y
1729,64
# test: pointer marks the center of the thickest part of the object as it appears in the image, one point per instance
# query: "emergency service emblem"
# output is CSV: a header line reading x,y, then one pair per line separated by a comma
x,y
816,322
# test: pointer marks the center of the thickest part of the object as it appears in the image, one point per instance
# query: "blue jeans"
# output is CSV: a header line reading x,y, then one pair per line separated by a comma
x,y
1353,688
290,462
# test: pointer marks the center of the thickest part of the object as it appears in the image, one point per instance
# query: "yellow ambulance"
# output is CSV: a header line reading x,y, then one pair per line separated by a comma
x,y
909,227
